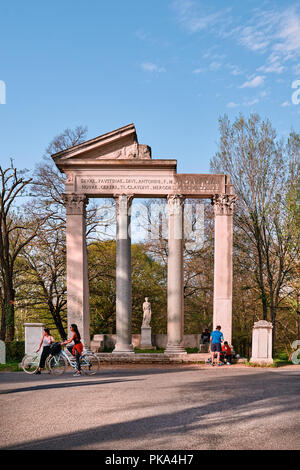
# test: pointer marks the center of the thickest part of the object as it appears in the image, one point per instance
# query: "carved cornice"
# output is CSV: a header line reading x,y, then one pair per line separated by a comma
x,y
263,324
75,204
223,203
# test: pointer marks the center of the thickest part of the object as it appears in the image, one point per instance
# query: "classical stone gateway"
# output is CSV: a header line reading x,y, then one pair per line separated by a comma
x,y
116,165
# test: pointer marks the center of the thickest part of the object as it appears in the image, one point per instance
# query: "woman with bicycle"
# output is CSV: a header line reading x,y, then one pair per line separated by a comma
x,y
46,340
77,348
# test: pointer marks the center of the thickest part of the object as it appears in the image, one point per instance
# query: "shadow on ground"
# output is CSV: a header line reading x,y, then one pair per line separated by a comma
x,y
254,399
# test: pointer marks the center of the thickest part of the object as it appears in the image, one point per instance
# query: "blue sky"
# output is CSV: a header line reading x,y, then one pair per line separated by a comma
x,y
171,67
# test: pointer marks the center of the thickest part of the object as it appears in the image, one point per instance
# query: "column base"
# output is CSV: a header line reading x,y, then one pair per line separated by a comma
x,y
174,349
261,360
123,349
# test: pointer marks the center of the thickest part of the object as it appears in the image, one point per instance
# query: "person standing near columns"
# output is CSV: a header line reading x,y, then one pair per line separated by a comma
x,y
77,264
175,275
223,211
123,275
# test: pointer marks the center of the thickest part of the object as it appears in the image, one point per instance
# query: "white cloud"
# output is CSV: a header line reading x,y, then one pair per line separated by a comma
x,y
150,67
195,19
268,31
285,104
214,66
232,104
234,70
272,68
296,69
255,82
251,102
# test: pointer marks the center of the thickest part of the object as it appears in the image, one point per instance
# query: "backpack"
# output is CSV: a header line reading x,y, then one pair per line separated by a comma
x,y
55,348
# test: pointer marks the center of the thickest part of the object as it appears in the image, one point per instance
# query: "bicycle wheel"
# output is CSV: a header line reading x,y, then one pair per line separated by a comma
x,y
89,364
30,363
296,357
57,364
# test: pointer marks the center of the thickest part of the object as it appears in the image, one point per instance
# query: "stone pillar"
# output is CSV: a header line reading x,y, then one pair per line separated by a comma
x,y
262,342
223,211
175,275
33,334
77,266
123,275
2,352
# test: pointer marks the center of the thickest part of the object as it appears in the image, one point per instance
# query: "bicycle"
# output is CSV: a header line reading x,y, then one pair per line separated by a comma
x,y
58,363
31,361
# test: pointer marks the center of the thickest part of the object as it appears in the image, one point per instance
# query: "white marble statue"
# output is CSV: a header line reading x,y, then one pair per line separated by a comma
x,y
146,313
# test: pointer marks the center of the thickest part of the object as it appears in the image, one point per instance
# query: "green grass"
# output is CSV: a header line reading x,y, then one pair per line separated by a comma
x,y
279,361
192,350
10,367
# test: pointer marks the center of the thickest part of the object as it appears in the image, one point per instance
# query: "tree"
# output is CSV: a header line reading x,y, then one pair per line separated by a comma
x,y
16,232
45,258
263,172
148,279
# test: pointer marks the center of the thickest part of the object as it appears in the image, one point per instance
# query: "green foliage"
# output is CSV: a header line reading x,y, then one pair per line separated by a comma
x,y
15,351
148,280
10,367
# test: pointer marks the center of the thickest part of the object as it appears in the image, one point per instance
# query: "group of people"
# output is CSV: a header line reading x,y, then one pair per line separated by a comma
x,y
223,351
218,346
75,349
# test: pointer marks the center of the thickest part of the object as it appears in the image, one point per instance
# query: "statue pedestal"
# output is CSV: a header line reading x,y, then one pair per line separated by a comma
x,y
146,342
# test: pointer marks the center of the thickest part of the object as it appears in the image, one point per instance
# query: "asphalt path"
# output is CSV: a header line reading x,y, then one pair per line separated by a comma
x,y
146,407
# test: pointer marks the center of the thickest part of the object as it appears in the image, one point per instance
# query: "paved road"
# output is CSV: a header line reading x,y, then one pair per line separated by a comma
x,y
153,407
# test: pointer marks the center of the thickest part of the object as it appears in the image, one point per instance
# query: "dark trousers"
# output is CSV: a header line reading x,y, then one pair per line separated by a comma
x,y
77,356
45,354
228,357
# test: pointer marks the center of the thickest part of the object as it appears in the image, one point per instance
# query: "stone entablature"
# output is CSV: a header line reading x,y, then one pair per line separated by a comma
x,y
108,183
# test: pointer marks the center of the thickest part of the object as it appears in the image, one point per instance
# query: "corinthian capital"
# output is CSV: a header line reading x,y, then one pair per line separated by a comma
x,y
223,203
75,204
123,203
175,202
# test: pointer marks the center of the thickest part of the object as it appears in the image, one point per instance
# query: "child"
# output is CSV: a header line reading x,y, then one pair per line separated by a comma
x,y
226,350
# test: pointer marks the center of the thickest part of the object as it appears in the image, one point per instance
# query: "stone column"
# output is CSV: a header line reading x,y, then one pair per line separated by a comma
x,y
262,342
77,265
175,275
123,275
223,210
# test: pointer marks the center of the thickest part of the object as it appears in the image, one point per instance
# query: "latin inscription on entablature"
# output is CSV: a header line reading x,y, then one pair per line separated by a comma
x,y
196,185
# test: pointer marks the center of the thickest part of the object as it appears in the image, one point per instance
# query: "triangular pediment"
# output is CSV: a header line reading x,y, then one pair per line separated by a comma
x,y
120,144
